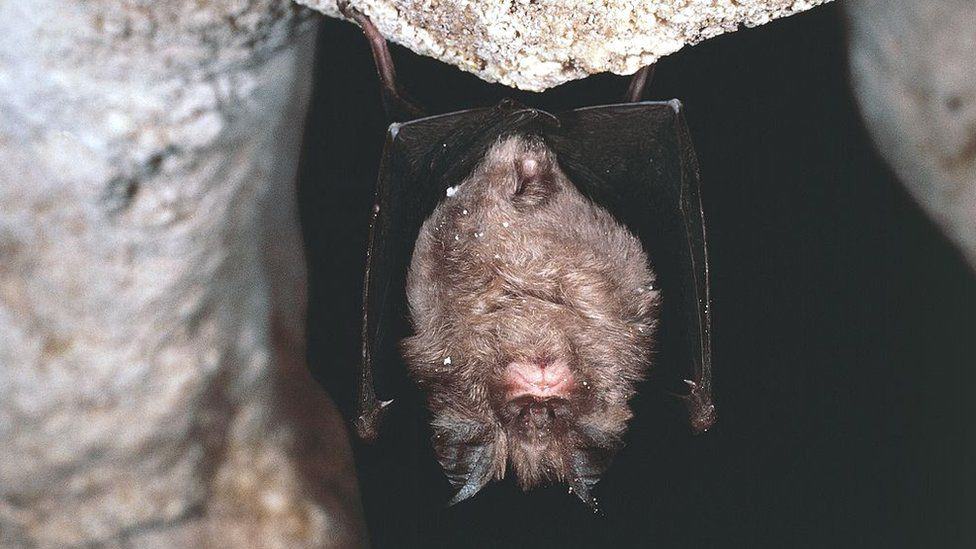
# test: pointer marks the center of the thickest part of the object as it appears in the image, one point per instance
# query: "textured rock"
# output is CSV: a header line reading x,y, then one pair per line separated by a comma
x,y
913,63
535,45
151,391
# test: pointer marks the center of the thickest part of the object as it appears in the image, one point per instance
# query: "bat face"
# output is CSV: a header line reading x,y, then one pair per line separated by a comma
x,y
533,315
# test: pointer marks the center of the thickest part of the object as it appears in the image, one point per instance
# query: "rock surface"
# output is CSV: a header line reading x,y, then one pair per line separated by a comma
x,y
535,45
152,382
913,63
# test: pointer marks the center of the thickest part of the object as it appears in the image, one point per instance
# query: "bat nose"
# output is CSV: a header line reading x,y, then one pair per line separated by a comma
x,y
540,378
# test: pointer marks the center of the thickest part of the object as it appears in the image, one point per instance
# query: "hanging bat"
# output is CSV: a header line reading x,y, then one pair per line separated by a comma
x,y
533,314
510,270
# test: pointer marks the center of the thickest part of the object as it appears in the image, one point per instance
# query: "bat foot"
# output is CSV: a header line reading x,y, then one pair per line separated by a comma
x,y
344,9
368,422
701,410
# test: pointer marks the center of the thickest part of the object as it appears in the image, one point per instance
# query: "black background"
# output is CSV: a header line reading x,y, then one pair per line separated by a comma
x,y
844,339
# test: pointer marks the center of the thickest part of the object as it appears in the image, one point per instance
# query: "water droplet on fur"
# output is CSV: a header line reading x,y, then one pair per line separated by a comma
x,y
456,237
464,212
447,361
497,256
505,224
451,191
376,208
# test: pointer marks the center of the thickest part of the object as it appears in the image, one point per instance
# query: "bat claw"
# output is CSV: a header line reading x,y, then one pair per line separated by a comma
x,y
701,410
368,422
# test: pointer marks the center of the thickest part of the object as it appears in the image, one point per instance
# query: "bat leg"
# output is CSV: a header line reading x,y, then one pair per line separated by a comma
x,y
396,104
638,83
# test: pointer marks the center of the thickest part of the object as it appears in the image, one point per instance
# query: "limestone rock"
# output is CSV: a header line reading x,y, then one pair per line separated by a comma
x,y
913,63
535,45
148,395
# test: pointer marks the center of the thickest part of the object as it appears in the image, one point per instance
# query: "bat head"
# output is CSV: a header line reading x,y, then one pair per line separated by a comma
x,y
533,315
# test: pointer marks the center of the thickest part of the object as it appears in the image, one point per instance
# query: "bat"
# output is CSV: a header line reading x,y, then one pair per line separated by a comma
x,y
528,270
533,314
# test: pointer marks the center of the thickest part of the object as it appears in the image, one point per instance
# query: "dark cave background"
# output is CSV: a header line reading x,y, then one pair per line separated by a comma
x,y
843,322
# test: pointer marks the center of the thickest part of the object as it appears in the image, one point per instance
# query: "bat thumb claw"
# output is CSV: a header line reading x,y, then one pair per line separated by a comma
x,y
701,409
368,422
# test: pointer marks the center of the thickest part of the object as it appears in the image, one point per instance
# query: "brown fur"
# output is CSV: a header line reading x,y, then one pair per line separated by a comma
x,y
518,265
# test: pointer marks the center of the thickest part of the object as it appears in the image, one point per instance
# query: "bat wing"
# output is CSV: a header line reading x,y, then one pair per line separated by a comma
x,y
636,160
422,159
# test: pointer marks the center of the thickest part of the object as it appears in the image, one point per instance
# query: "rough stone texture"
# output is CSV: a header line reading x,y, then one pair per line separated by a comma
x,y
152,393
913,64
538,44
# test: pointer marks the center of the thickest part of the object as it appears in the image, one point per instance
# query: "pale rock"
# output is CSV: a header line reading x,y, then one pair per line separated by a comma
x,y
152,382
913,64
535,45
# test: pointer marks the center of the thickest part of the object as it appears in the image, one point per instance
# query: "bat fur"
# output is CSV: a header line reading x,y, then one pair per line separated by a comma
x,y
533,314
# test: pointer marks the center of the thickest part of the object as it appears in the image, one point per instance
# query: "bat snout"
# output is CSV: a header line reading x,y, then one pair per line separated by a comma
x,y
538,379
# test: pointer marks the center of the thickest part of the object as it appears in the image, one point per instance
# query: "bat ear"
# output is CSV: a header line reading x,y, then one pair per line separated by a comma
x,y
468,465
584,474
534,177
479,476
